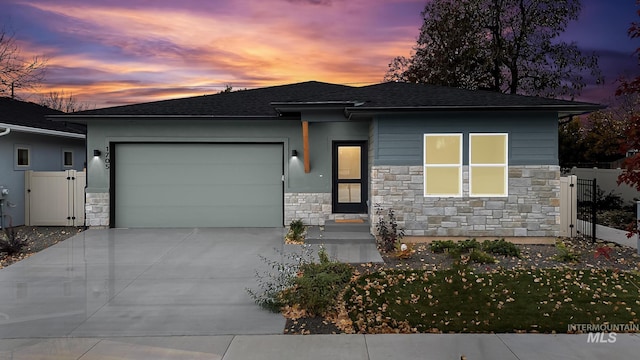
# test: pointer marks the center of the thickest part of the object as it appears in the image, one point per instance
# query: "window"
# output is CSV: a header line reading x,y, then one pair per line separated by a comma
x,y
442,165
22,157
67,158
488,168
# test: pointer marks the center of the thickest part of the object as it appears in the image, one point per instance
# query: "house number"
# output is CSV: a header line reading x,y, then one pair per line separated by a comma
x,y
107,160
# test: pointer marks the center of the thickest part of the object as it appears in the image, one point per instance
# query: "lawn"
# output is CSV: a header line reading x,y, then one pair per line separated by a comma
x,y
460,300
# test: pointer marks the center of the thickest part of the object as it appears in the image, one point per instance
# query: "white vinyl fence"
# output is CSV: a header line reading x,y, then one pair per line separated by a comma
x,y
54,198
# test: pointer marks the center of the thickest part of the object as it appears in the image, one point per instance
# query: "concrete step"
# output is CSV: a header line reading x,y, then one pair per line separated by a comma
x,y
319,235
332,226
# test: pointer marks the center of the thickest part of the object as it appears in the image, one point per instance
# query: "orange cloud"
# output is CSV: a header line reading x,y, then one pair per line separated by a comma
x,y
121,50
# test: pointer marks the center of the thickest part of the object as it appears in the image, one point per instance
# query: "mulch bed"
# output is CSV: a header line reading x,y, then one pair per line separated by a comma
x,y
37,238
532,257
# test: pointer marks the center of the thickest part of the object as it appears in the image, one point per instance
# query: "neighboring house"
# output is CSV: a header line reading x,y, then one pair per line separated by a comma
x,y
450,162
29,141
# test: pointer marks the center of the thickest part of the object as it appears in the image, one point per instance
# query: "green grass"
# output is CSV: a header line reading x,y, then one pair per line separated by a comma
x,y
543,300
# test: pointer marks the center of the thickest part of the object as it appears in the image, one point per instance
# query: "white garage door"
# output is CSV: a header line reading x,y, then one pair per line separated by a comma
x,y
198,185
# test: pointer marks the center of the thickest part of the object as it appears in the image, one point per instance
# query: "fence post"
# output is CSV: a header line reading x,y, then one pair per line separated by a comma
x,y
638,226
594,208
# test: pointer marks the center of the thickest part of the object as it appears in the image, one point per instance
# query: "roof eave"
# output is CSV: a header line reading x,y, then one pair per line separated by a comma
x,y
33,130
299,106
82,119
562,110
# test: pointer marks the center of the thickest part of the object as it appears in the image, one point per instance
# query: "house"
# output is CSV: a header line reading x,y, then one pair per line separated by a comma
x,y
450,162
29,141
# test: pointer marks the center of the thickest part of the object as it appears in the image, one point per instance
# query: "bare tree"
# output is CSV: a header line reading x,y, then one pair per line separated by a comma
x,y
58,100
17,72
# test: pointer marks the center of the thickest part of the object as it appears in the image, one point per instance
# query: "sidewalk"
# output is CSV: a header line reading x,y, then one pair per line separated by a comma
x,y
312,347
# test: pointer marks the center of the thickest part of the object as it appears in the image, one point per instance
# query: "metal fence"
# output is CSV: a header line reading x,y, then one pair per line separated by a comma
x,y
587,208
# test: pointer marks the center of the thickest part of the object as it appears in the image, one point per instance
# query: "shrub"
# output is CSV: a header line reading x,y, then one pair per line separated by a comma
x,y
501,247
440,246
389,233
454,248
565,254
468,245
296,231
481,257
478,252
281,276
317,288
10,243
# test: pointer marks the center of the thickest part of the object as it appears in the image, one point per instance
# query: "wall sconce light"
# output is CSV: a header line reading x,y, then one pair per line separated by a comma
x,y
96,152
294,152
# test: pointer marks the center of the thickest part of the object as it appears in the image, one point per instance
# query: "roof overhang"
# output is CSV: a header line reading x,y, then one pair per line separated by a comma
x,y
32,130
83,119
289,106
563,111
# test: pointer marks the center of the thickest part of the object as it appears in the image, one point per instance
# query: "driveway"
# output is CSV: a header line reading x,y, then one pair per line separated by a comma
x,y
140,282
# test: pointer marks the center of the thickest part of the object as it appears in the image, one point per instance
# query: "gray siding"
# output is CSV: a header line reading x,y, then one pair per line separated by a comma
x,y
288,132
533,137
46,155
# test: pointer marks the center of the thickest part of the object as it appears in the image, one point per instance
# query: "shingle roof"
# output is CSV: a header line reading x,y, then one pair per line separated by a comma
x,y
390,95
21,113
255,102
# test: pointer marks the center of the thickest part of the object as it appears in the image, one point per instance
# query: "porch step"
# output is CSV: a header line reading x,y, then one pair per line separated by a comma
x,y
333,226
340,233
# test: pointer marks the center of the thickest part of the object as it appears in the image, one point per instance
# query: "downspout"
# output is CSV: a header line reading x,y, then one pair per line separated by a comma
x,y
5,132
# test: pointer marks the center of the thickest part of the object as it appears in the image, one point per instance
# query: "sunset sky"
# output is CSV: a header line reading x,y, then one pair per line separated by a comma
x,y
115,52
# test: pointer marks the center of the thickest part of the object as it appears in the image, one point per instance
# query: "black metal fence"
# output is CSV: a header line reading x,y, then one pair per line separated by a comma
x,y
587,194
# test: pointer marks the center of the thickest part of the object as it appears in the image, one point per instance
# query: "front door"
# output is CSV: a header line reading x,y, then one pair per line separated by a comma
x,y
350,179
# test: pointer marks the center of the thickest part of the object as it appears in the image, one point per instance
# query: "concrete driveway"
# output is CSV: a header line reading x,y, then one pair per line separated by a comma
x,y
140,282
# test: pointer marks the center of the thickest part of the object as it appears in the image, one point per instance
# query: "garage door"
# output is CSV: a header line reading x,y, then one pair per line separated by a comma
x,y
198,185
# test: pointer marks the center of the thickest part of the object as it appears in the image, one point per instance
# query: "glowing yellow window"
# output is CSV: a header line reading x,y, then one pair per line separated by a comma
x,y
488,165
443,165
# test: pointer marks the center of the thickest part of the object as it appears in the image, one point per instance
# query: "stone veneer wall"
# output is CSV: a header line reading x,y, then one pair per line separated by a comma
x,y
97,209
312,208
531,209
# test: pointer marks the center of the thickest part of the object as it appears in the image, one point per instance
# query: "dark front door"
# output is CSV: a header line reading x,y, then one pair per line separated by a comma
x,y
350,177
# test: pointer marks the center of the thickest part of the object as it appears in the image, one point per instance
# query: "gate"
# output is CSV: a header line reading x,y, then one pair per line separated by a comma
x,y
54,198
568,201
586,209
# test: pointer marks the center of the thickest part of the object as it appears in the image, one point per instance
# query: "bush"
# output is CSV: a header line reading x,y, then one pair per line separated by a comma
x,y
454,248
389,233
478,252
317,288
468,245
501,247
281,276
481,257
565,254
10,243
296,231
440,246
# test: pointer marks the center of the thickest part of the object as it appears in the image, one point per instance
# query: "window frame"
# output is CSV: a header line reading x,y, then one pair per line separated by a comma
x,y
16,157
504,165
64,158
458,165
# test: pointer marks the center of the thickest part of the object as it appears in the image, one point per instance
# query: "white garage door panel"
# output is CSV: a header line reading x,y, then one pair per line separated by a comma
x,y
198,185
